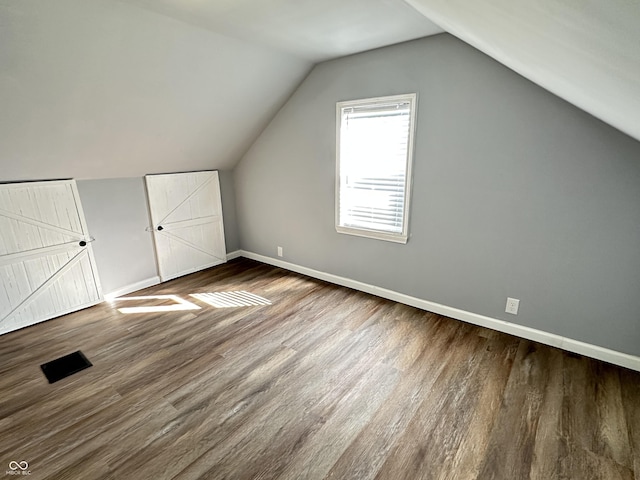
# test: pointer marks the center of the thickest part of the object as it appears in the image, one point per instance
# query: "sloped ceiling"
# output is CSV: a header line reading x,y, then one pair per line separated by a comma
x,y
103,89
585,51
118,88
315,30
110,88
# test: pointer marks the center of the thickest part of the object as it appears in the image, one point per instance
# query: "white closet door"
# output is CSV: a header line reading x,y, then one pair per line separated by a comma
x,y
47,267
186,211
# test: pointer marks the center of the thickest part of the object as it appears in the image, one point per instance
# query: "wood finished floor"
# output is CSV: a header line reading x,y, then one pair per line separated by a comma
x,y
326,382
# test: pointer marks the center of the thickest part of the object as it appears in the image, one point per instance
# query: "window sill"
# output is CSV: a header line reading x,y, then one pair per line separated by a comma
x,y
361,232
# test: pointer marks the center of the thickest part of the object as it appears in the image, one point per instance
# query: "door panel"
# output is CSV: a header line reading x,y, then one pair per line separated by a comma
x,y
45,270
186,211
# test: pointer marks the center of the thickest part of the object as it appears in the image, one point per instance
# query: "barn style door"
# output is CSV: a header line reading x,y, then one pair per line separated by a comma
x,y
47,267
186,211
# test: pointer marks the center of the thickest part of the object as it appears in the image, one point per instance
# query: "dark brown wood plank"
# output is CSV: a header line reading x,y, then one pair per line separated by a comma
x,y
510,453
366,454
326,382
594,429
548,447
630,383
443,420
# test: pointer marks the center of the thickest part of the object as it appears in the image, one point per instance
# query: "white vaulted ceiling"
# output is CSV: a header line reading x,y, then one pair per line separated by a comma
x,y
315,30
105,88
101,89
110,88
585,51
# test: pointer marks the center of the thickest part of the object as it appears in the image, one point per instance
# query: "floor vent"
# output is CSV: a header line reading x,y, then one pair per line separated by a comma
x,y
231,299
64,366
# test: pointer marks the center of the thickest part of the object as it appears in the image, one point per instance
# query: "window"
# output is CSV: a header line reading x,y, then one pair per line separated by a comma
x,y
374,156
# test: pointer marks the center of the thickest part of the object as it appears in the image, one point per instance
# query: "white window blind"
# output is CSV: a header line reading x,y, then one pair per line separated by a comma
x,y
374,166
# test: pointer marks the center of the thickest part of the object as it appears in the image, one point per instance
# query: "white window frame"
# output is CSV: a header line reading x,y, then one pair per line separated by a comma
x,y
402,237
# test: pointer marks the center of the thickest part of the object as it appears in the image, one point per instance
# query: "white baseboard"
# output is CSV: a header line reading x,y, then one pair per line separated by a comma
x,y
235,254
150,282
134,287
575,346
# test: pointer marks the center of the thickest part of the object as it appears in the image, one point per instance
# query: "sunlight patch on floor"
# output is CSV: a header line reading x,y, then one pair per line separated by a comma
x,y
231,299
180,304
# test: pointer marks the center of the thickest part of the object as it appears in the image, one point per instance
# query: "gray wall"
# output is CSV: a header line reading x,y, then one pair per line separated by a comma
x,y
103,89
117,216
228,196
516,193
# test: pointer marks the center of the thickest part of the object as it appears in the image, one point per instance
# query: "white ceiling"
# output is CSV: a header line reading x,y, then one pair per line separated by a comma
x,y
585,51
142,92
315,30
103,89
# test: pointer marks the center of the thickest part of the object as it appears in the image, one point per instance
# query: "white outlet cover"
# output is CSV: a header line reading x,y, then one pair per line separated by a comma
x,y
512,306
279,251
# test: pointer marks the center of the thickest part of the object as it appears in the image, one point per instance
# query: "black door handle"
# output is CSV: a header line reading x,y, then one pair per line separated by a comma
x,y
160,227
82,243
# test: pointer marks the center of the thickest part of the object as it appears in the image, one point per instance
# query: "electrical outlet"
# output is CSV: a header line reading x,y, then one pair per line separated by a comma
x,y
279,251
512,306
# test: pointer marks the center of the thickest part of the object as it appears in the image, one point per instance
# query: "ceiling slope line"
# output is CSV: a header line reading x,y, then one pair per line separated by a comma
x,y
560,54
